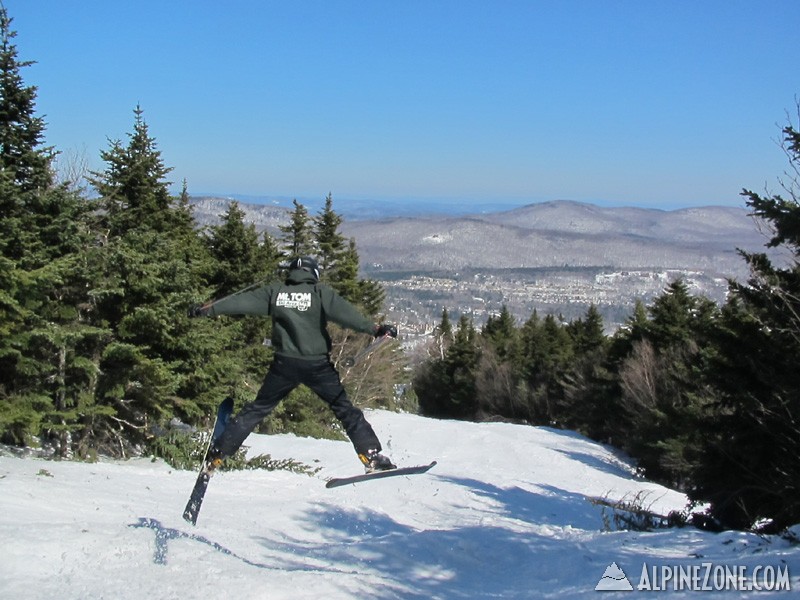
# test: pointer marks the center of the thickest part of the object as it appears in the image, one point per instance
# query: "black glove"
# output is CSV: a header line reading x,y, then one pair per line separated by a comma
x,y
198,310
384,330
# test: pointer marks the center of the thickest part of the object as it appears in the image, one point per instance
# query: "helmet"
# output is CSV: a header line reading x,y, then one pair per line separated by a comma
x,y
306,263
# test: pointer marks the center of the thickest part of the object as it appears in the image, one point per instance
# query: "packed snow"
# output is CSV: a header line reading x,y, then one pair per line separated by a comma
x,y
506,513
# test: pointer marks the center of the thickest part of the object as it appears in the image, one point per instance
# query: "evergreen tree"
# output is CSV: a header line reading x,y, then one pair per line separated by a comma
x,y
587,334
368,294
343,277
751,439
638,321
446,386
555,356
339,262
529,340
183,214
25,166
460,364
23,160
500,391
45,377
588,402
152,267
268,257
372,296
330,243
132,188
298,234
445,328
663,383
501,332
671,315
234,246
632,331
546,346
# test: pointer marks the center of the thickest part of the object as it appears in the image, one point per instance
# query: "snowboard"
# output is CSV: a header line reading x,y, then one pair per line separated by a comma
x,y
201,484
340,481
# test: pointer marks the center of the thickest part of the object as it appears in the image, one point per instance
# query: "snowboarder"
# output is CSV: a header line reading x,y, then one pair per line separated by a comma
x,y
300,308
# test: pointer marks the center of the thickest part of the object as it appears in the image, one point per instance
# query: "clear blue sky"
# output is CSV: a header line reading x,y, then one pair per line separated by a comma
x,y
628,102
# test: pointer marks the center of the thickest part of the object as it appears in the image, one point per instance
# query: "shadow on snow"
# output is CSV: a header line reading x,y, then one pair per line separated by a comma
x,y
541,543
509,554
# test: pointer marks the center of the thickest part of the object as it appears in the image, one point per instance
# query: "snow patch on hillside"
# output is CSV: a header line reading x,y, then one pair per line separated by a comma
x,y
505,514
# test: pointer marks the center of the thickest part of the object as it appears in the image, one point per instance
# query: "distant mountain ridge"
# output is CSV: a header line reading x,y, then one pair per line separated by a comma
x,y
208,210
688,223
563,233
365,209
548,234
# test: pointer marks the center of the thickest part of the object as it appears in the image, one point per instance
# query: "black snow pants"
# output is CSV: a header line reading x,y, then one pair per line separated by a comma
x,y
285,374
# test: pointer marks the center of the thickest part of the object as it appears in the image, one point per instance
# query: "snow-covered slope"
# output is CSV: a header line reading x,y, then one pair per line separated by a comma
x,y
505,514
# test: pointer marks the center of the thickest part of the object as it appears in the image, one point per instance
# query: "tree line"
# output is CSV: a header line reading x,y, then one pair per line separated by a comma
x,y
705,397
97,353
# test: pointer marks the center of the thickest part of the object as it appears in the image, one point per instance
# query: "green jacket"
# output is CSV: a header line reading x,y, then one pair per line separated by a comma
x,y
300,309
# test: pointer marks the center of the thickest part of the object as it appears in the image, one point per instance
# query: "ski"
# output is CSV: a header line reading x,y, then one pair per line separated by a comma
x,y
339,481
199,491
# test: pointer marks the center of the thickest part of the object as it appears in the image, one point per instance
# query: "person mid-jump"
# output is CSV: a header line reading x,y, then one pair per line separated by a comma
x,y
300,308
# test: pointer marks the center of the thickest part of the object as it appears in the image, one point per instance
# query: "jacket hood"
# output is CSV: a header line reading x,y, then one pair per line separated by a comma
x,y
300,276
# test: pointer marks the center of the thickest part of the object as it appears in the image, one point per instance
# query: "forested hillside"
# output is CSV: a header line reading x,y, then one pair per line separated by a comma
x,y
704,396
97,353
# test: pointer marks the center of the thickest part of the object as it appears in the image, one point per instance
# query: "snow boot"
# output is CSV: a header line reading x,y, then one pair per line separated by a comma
x,y
375,461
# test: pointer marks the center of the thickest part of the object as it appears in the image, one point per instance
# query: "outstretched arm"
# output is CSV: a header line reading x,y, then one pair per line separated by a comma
x,y
342,312
252,302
